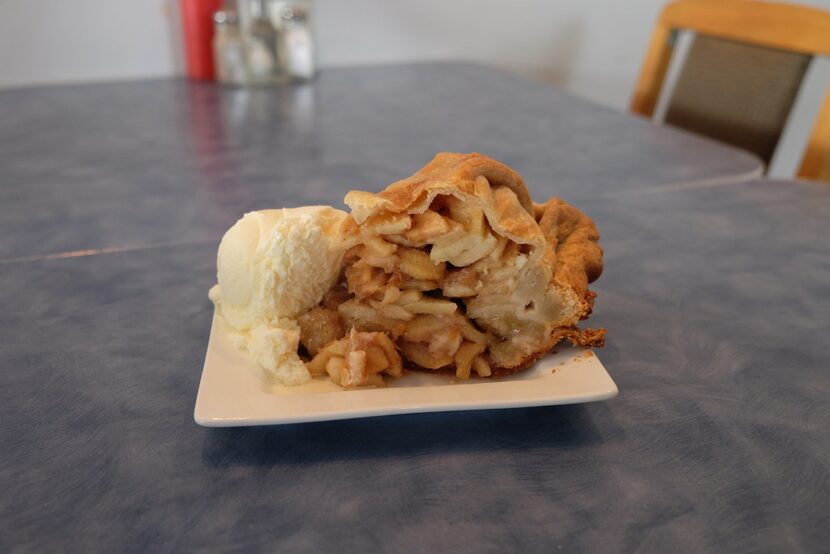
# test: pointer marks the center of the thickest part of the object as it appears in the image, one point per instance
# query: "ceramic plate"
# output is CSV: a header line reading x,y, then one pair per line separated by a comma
x,y
234,391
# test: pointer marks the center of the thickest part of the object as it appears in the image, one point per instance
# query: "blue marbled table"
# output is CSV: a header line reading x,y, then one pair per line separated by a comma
x,y
717,301
159,162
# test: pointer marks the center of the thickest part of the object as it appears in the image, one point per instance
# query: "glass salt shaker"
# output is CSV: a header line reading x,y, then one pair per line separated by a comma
x,y
228,48
297,52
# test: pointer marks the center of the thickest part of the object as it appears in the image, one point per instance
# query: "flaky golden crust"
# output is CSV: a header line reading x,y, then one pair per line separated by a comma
x,y
574,242
505,200
450,171
583,338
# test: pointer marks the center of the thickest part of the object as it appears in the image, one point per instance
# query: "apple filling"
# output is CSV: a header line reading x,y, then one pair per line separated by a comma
x,y
442,288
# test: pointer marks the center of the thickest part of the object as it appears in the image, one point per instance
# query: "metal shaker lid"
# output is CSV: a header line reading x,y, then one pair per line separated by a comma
x,y
225,17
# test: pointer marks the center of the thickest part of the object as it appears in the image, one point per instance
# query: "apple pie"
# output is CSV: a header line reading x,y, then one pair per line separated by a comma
x,y
454,270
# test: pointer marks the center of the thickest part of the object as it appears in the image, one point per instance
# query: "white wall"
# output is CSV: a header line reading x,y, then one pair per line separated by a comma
x,y
55,41
591,47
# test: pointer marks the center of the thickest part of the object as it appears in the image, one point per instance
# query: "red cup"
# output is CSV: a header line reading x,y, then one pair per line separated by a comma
x,y
197,27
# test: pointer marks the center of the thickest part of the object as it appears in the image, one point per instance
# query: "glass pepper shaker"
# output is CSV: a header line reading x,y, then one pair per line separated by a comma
x,y
296,39
228,48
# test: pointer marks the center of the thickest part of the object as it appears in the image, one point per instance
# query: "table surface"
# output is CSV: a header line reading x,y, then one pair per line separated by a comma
x,y
717,301
130,164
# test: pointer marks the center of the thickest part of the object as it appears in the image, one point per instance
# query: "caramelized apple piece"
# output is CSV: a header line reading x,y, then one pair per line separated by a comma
x,y
461,283
418,353
426,227
417,264
319,327
464,357
358,360
482,367
386,224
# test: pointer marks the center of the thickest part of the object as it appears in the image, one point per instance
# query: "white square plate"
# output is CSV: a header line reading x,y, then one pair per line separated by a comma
x,y
234,391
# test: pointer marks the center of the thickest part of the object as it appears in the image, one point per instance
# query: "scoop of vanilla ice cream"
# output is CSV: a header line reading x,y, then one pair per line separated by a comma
x,y
272,266
278,263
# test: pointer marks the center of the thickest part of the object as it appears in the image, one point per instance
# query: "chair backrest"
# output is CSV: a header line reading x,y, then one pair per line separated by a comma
x,y
754,54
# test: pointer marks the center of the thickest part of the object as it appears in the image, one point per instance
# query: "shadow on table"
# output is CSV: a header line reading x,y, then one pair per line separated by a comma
x,y
405,435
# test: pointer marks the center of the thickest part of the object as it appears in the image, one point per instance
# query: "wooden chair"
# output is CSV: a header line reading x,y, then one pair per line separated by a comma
x,y
742,74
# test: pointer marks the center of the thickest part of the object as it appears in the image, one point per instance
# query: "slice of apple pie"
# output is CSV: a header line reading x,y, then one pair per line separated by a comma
x,y
456,269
